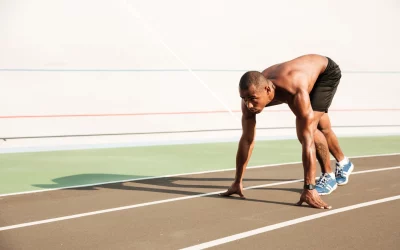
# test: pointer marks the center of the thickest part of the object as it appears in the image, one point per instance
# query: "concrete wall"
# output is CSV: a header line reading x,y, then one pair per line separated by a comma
x,y
70,67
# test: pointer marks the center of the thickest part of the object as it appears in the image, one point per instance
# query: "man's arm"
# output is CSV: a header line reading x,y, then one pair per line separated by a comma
x,y
305,129
305,126
246,143
245,148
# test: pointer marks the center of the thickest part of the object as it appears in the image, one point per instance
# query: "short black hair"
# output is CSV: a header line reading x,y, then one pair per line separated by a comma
x,y
250,78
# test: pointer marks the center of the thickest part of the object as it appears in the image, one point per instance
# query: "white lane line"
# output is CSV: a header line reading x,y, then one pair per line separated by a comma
x,y
33,223
131,206
175,175
287,223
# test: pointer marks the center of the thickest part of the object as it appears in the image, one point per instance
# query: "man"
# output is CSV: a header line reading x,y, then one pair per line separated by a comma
x,y
307,84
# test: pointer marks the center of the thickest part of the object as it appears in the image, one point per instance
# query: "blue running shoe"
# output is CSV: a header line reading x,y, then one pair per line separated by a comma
x,y
325,184
342,173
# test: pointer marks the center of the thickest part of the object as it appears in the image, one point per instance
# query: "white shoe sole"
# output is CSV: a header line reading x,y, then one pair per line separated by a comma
x,y
333,189
348,175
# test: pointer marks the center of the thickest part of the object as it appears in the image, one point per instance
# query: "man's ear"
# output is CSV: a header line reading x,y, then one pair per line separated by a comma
x,y
268,89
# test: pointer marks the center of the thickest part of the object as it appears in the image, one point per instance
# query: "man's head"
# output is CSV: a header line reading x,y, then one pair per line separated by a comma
x,y
256,91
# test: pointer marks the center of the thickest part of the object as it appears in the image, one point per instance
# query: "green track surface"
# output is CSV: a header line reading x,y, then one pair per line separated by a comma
x,y
21,172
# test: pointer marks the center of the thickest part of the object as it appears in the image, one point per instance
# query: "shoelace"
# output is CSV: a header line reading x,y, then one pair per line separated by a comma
x,y
322,181
339,172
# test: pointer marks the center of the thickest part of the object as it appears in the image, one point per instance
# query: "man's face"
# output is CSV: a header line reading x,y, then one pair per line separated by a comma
x,y
256,99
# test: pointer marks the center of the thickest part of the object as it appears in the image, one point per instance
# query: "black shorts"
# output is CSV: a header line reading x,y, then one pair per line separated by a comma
x,y
324,89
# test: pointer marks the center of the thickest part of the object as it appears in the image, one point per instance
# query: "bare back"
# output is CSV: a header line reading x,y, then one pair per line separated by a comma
x,y
299,73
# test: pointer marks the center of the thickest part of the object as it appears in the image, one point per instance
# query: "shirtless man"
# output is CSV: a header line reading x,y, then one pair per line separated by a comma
x,y
307,85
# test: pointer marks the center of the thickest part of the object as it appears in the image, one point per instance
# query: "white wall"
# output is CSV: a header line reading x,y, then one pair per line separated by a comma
x,y
70,57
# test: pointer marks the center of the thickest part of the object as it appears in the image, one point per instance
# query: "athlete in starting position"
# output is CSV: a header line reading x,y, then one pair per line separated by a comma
x,y
307,84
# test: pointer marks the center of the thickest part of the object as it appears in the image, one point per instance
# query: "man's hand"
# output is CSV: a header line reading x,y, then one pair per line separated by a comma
x,y
235,188
312,198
